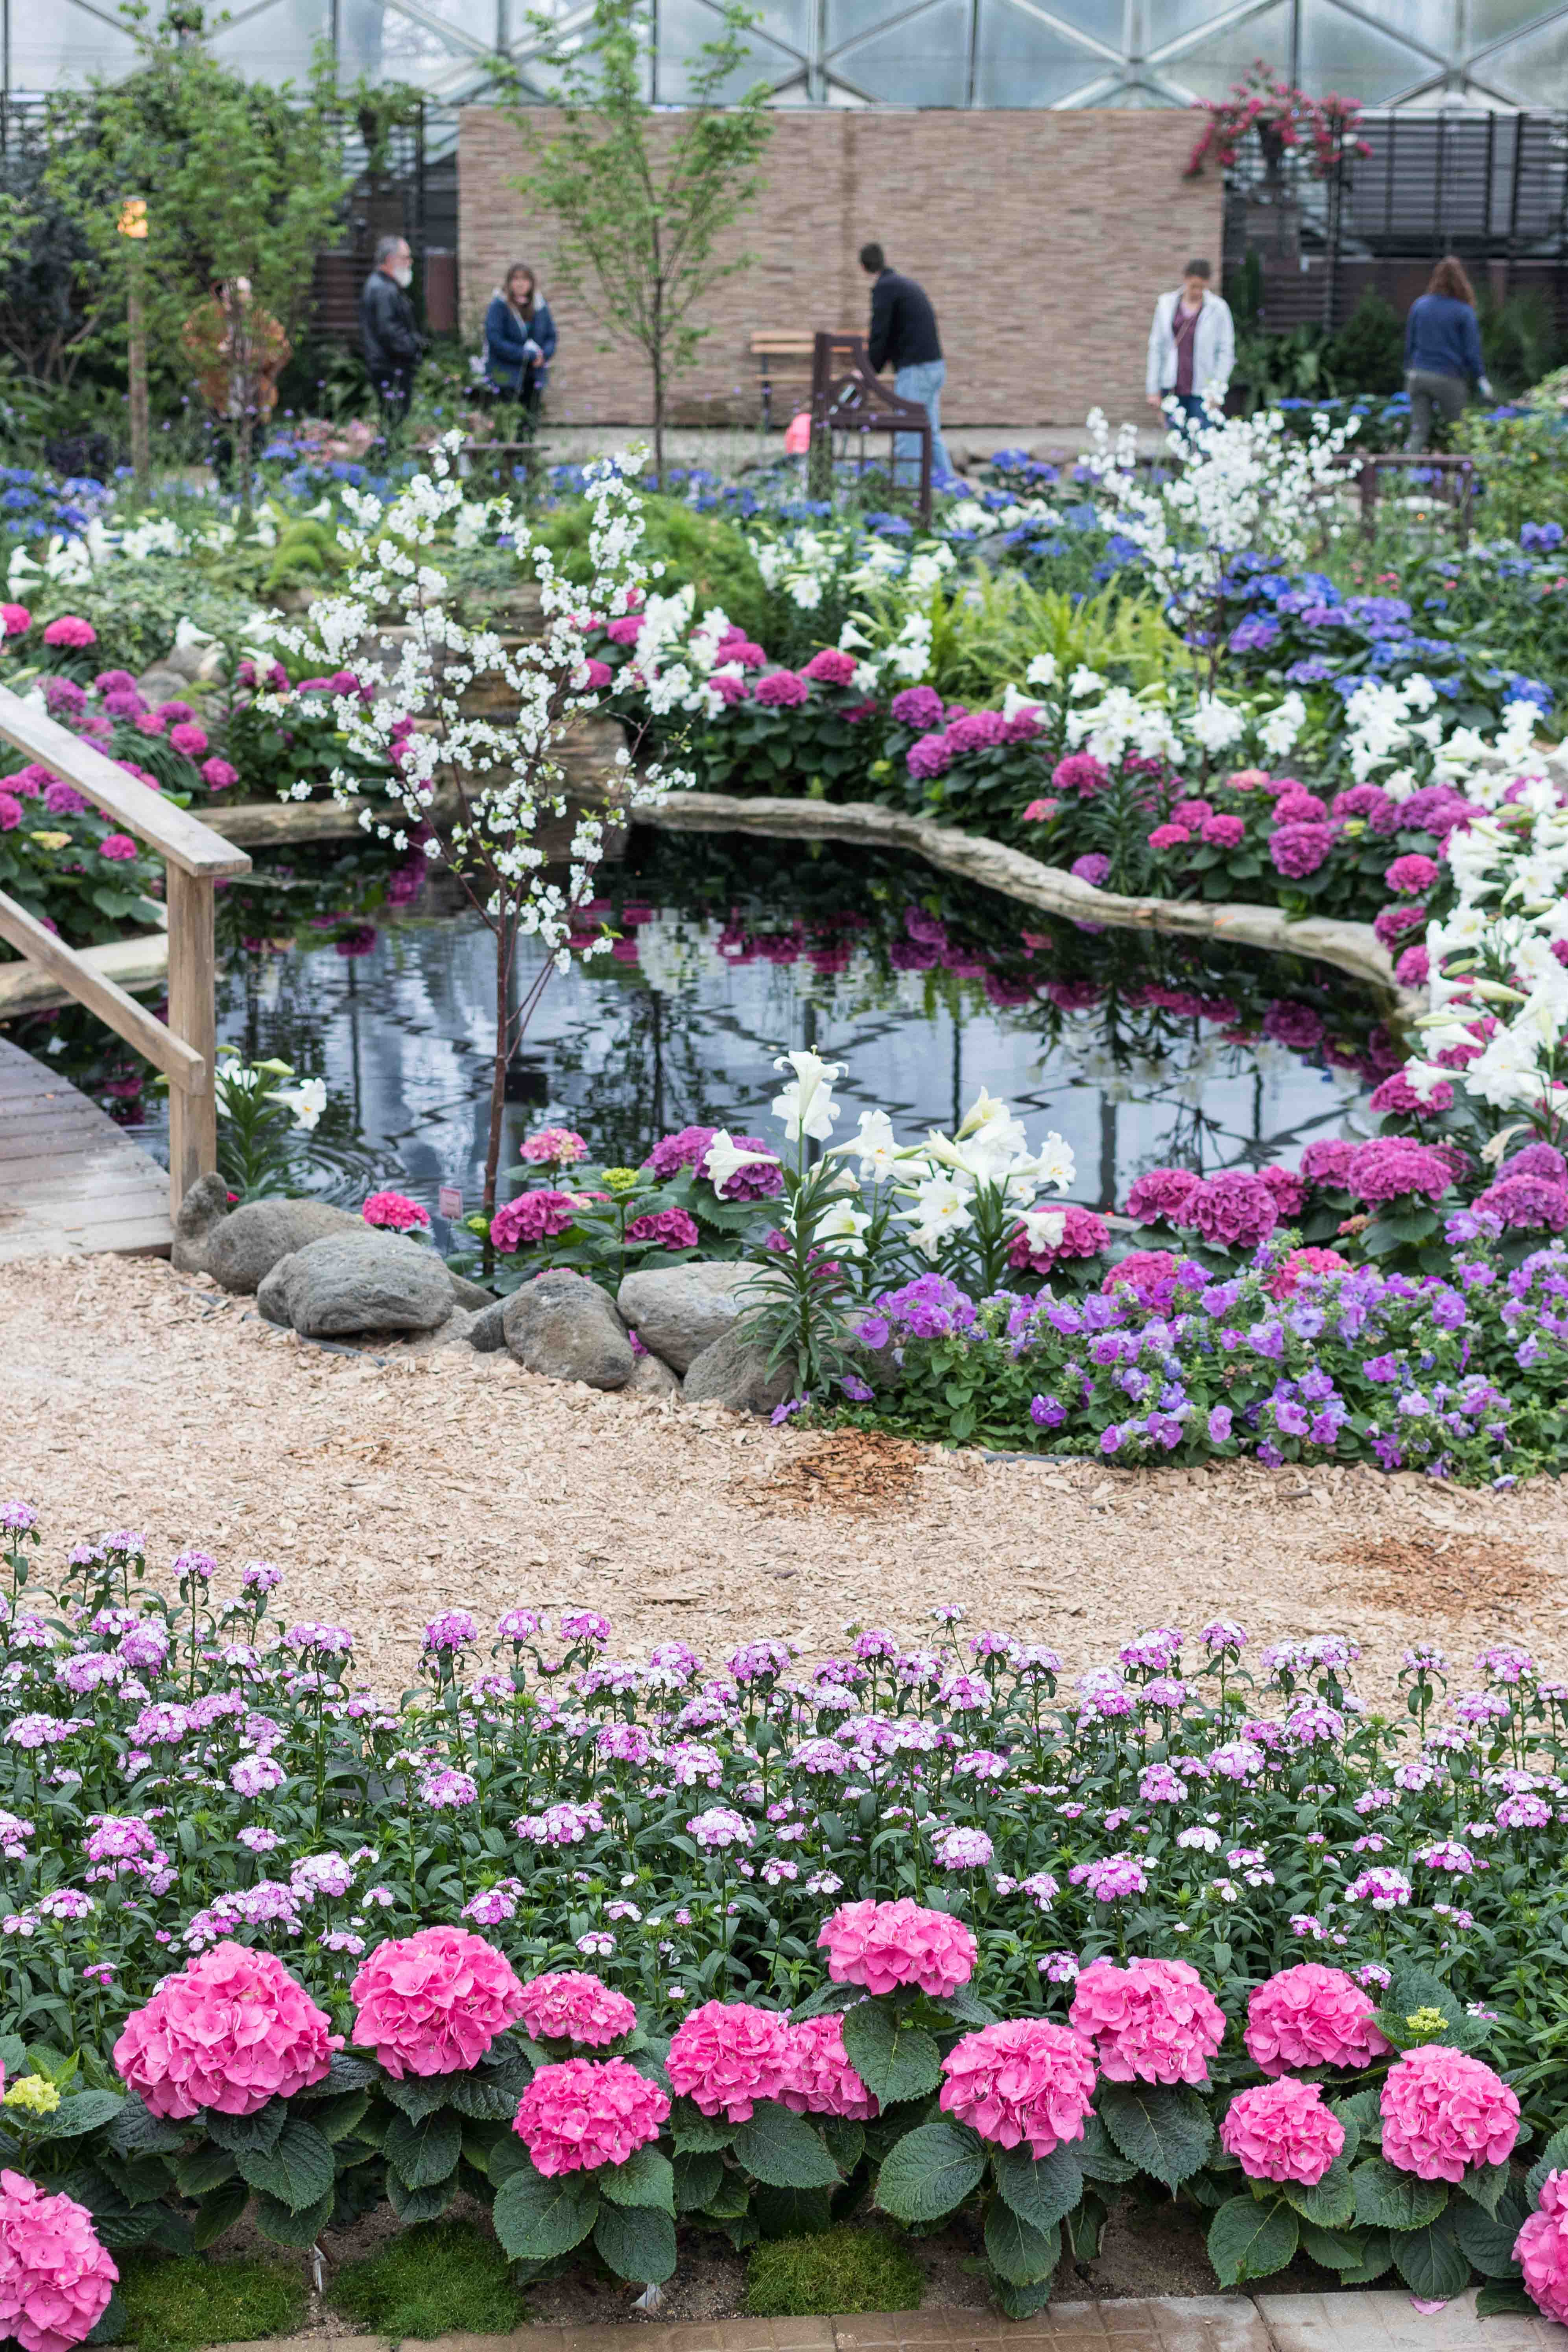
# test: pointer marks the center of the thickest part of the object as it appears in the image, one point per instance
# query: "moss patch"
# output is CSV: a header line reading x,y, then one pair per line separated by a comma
x,y
438,2278
176,2305
842,2270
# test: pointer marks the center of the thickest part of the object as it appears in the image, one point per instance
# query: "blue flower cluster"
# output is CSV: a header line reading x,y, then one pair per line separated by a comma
x,y
35,505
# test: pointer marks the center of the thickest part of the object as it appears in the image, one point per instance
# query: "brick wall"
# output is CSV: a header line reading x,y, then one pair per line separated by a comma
x,y
1042,238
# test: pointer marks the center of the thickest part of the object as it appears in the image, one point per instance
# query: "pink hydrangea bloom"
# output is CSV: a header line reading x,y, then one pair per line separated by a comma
x,y
1222,831
1396,1093
1151,2021
432,2003
1160,1194
884,1945
1390,1166
1541,2250
1444,2111
1299,849
728,2054
1169,836
568,2005
1083,1235
783,687
55,2278
599,675
1081,772
589,2112
831,667
1286,1278
70,630
532,1217
189,739
396,1210
1027,2079
118,847
1412,874
218,775
1234,1208
16,619
818,2078
10,812
553,1146
1310,2016
1282,2131
673,1228
232,2030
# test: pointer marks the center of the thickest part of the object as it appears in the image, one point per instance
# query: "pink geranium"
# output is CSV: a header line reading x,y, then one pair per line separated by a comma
x,y
589,2112
396,1211
55,2278
1282,2131
568,2005
70,630
1540,2249
884,1945
1444,2111
818,2077
232,2030
432,2003
1026,2081
1310,2016
726,2055
1151,2021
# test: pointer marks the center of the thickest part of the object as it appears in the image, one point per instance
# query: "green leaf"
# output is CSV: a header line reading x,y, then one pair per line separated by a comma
x,y
137,2131
646,2178
731,2199
536,2219
896,2060
1041,2191
1376,2256
1021,2255
1250,2241
1488,2239
256,2135
220,2209
111,2325
1022,2302
1164,2132
297,2171
507,2157
930,2171
1388,2199
412,2205
1485,2183
780,2147
345,2074
289,2226
637,2242
204,2168
697,2134
846,2140
697,2179
481,2102
1097,2155
791,2212
1553,2157
89,2111
423,2154
967,2007
1431,2260
1364,2112
417,2097
1352,2130
1331,2203
1504,2303
337,2117
1332,2250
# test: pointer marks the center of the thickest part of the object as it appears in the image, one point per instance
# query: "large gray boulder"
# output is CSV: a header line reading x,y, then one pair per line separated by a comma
x,y
679,1310
239,1249
204,1208
358,1281
564,1325
734,1372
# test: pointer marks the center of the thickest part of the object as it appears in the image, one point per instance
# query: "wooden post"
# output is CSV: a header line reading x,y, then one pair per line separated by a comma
x,y
133,227
193,1016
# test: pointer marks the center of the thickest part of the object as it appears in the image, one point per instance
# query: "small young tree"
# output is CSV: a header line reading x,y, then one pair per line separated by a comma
x,y
239,181
641,197
477,790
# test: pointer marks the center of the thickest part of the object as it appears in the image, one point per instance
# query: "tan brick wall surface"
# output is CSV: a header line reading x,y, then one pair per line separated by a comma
x,y
1042,238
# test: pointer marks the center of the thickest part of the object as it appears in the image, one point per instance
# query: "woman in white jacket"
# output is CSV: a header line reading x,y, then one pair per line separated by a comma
x,y
1192,345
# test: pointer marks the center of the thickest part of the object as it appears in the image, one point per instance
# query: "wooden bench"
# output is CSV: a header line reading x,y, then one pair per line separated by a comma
x,y
783,361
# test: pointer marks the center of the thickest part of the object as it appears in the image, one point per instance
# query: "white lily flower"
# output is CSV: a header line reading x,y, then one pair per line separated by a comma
x,y
725,1159
876,1145
805,1105
842,1229
1044,1227
307,1101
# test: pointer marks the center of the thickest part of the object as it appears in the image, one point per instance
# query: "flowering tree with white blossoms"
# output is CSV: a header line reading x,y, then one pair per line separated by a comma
x,y
1241,487
476,790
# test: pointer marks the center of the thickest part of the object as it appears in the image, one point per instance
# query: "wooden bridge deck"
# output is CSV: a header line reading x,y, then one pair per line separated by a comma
x,y
70,1180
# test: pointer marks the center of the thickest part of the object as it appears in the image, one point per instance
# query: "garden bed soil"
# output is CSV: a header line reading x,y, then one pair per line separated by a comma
x,y
389,1485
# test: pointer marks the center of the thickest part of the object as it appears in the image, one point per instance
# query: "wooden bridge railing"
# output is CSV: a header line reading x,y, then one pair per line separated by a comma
x,y
194,858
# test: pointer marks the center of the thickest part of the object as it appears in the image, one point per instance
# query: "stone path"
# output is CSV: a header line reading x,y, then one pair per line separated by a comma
x,y
1369,2321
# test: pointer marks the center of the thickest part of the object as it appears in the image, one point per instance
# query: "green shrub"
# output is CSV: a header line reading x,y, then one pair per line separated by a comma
x,y
435,2279
706,550
176,2305
136,607
1367,353
843,2270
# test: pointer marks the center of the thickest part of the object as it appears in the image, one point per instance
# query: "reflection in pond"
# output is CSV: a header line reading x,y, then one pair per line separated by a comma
x,y
1137,1050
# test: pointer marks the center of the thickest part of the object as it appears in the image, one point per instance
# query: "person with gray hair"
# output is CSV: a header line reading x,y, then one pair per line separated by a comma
x,y
389,338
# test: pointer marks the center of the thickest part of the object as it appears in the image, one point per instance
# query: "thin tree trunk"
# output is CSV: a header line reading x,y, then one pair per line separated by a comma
x,y
657,352
504,938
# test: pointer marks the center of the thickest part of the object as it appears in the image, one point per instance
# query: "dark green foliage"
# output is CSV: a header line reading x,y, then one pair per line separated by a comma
x,y
435,2278
841,2269
708,551
174,2307
1367,353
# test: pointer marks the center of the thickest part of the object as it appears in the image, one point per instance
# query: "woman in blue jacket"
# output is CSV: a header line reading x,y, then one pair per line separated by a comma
x,y
1442,351
520,341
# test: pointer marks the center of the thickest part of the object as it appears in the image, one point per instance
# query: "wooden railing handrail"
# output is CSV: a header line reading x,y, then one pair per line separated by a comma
x,y
180,839
180,1064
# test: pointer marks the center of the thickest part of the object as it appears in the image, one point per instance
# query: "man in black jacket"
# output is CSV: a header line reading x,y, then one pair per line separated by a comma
x,y
904,336
388,336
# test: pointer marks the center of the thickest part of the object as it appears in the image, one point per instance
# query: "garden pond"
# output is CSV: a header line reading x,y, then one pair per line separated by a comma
x,y
1138,1051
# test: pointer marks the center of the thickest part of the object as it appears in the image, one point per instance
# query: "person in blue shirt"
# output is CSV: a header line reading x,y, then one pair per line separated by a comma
x,y
1442,351
520,341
